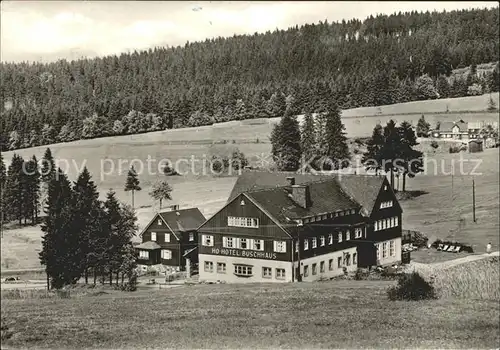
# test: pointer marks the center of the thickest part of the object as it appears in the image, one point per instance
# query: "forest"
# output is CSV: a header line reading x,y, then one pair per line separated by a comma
x,y
381,60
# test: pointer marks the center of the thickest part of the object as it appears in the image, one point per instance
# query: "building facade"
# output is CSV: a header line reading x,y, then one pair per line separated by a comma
x,y
169,238
280,228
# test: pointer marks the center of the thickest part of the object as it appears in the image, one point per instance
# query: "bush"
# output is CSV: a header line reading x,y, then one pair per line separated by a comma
x,y
434,144
455,149
412,286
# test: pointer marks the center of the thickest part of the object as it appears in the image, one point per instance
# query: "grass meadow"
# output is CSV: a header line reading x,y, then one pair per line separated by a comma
x,y
341,314
441,213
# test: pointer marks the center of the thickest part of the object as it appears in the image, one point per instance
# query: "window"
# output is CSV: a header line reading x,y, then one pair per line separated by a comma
x,y
330,238
347,235
209,266
322,241
208,240
166,254
340,237
243,270
385,188
330,264
377,247
143,254
242,222
314,270
160,222
354,258
306,271
258,244
228,242
280,274
153,236
376,225
358,232
221,267
339,262
314,242
392,251
386,204
267,272
322,267
243,243
396,221
167,237
306,244
191,236
280,246
347,258
353,211
297,246
384,250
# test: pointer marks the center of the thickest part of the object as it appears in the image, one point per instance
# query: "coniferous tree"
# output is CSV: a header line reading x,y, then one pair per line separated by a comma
x,y
32,189
308,138
60,244
132,183
128,228
86,216
372,158
390,150
3,179
423,128
47,172
286,143
114,241
410,161
337,151
15,190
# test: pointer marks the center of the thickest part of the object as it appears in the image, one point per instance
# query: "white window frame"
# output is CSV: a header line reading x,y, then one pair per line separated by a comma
x,y
191,236
339,236
358,232
378,251
314,269
330,238
280,274
322,241
306,270
306,244
354,258
384,250
280,246
160,222
330,265
348,235
296,246
208,266
207,240
228,242
339,262
396,221
244,270
166,238
258,242
234,221
245,242
143,254
153,236
322,267
314,242
392,248
267,272
166,254
221,267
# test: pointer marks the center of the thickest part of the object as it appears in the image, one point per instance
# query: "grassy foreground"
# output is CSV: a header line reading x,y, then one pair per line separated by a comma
x,y
341,314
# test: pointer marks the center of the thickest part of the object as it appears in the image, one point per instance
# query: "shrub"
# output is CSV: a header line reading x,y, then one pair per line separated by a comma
x,y
412,286
434,144
454,149
359,141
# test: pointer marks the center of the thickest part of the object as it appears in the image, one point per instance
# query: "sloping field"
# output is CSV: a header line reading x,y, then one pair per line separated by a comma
x,y
336,314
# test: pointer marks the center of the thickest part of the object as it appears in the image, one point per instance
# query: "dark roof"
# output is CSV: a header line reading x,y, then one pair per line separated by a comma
x,y
183,220
329,193
189,252
448,126
150,245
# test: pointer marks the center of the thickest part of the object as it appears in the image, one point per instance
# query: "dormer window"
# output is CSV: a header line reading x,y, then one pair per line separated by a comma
x,y
160,222
242,202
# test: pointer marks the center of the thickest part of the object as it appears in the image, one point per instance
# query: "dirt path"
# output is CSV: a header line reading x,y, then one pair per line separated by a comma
x,y
416,266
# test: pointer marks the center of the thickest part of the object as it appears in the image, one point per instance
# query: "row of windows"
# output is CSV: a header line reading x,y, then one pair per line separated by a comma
x,y
242,222
244,270
386,204
386,223
341,262
382,252
358,233
166,237
329,216
165,254
243,243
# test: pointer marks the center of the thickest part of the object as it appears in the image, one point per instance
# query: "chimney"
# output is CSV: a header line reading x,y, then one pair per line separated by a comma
x,y
301,196
291,180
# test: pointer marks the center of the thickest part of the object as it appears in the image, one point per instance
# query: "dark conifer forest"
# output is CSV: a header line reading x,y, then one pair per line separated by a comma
x,y
381,60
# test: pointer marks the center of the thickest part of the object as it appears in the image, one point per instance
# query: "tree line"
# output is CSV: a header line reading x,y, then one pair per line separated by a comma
x,y
381,60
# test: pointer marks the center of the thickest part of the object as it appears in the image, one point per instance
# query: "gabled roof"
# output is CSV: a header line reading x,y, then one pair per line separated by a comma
x,y
150,245
179,221
183,220
328,192
448,126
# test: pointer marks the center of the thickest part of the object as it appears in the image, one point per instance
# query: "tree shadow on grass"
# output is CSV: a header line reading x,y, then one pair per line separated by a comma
x,y
408,195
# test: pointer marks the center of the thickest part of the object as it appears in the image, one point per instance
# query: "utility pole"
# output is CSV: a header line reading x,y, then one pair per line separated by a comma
x,y
473,201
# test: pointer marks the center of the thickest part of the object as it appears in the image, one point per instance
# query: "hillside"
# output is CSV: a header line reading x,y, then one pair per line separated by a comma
x,y
379,61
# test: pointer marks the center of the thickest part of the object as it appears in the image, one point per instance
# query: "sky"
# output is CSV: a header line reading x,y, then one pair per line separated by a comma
x,y
50,30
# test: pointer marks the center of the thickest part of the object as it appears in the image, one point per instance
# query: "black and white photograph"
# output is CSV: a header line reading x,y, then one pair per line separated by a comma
x,y
249,174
